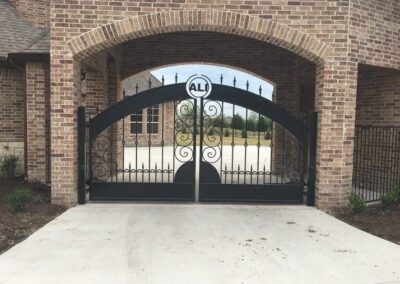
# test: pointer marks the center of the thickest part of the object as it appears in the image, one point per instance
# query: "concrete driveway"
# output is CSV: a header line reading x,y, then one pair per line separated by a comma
x,y
199,243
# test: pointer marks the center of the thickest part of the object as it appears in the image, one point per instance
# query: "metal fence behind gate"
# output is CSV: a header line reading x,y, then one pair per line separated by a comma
x,y
376,168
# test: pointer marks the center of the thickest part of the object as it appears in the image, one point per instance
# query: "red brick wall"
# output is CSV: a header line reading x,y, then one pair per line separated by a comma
x,y
378,96
374,32
323,26
37,117
12,113
36,11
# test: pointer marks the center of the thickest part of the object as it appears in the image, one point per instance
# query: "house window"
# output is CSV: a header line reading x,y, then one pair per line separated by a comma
x,y
137,122
152,119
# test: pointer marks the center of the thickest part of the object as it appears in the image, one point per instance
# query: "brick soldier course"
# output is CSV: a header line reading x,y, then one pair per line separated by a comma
x,y
329,47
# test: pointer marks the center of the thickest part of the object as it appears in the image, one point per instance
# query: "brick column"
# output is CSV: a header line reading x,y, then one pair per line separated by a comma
x,y
336,103
65,93
37,92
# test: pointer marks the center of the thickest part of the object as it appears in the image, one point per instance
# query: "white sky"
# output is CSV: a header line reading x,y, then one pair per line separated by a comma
x,y
214,72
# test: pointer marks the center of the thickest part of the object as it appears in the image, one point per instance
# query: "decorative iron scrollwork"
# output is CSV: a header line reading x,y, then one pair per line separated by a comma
x,y
185,123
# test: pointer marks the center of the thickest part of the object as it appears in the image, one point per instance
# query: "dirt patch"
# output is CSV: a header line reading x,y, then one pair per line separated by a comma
x,y
16,226
374,220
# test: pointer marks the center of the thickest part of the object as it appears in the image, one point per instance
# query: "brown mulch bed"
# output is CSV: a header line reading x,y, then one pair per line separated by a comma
x,y
17,226
374,220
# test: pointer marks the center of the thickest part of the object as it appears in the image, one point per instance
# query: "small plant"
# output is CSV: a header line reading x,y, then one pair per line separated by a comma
x,y
19,199
390,199
227,133
9,165
267,135
244,134
357,203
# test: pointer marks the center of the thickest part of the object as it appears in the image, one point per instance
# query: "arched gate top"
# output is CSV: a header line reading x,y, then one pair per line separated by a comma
x,y
177,92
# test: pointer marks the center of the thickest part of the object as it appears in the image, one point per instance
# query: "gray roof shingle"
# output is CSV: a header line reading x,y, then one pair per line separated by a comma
x,y
18,34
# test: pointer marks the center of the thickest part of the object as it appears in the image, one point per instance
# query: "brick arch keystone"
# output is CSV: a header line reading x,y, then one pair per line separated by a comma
x,y
134,27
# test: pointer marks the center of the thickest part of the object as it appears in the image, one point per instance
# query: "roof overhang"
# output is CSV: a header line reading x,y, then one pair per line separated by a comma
x,y
29,57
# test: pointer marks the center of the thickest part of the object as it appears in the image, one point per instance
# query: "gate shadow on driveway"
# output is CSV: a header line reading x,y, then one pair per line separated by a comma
x,y
199,243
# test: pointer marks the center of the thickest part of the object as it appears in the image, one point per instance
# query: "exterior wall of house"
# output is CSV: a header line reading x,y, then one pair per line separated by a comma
x,y
38,121
165,120
378,109
378,96
37,11
374,36
316,30
12,114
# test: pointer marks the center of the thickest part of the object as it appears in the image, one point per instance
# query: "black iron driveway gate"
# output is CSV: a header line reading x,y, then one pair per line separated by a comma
x,y
235,163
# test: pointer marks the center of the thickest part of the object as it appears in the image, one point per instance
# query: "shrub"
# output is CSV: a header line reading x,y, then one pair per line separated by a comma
x,y
390,199
268,135
357,204
210,131
227,133
19,199
9,165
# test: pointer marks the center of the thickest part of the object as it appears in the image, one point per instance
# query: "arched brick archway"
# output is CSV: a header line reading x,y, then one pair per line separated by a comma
x,y
135,27
334,99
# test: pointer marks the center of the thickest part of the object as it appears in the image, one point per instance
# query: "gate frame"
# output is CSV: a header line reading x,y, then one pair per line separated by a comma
x,y
176,92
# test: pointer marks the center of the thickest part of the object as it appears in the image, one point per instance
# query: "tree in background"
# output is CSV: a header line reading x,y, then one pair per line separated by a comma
x,y
237,122
264,124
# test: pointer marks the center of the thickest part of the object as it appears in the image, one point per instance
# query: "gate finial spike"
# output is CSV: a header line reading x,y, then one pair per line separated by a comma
x,y
162,80
234,81
260,90
149,83
123,93
176,78
137,88
247,85
221,78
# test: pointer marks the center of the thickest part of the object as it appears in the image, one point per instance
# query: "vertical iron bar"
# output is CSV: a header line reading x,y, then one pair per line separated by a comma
x,y
82,155
356,149
367,165
162,140
391,178
155,173
312,159
136,145
222,134
201,121
245,146
149,129
226,170
283,155
397,151
233,141
378,148
130,172
258,144
123,149
194,138
174,139
271,145
238,174
363,163
386,168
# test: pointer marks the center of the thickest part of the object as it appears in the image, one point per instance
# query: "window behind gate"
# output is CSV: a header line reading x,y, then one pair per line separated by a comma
x,y
137,122
152,119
